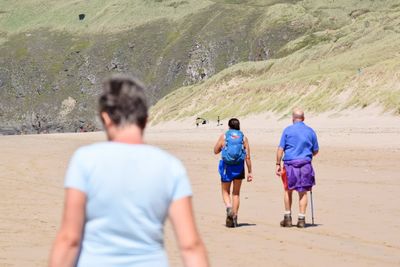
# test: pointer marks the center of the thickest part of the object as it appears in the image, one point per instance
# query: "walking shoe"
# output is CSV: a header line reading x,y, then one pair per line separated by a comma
x,y
229,211
301,223
235,223
229,218
287,221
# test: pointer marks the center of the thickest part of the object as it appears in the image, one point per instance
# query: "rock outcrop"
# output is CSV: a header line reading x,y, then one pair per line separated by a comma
x,y
50,80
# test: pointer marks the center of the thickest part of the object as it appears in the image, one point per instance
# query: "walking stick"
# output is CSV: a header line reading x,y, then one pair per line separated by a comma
x,y
312,207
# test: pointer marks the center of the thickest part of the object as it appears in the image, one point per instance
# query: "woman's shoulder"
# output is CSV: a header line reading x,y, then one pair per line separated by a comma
x,y
114,148
159,152
92,148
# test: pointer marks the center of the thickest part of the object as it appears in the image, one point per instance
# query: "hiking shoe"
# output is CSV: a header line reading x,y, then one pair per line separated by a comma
x,y
229,218
301,223
229,211
235,223
287,221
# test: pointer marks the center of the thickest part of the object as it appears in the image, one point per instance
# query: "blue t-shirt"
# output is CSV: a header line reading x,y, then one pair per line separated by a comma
x,y
129,189
298,142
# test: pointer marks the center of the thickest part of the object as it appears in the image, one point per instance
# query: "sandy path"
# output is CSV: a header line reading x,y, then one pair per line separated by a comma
x,y
357,213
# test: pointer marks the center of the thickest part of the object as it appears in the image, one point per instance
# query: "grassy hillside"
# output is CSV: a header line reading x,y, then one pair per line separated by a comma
x,y
232,57
49,57
101,15
119,15
354,65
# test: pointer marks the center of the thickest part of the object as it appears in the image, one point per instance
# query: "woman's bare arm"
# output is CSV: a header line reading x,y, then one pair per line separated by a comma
x,y
248,160
191,246
219,145
68,240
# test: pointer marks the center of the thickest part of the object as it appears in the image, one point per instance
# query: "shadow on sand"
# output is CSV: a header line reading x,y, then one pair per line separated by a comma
x,y
310,225
242,225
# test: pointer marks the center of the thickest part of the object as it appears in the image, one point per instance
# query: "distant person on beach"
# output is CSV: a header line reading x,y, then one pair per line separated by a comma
x,y
235,152
119,193
297,146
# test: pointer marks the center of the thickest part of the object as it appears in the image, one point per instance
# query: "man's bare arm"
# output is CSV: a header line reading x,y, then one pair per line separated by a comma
x,y
279,155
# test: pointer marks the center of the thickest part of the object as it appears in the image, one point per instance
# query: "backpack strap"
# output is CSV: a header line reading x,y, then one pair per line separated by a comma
x,y
226,138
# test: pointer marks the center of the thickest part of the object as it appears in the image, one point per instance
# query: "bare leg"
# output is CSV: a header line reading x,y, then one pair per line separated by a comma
x,y
236,195
226,194
288,200
303,202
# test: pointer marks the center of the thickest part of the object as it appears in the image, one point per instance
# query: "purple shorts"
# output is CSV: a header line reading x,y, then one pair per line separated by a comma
x,y
300,175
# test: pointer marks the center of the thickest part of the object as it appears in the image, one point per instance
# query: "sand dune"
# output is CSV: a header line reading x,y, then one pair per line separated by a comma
x,y
356,210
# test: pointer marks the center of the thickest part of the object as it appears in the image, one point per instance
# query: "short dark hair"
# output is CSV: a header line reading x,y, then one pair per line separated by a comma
x,y
124,100
234,124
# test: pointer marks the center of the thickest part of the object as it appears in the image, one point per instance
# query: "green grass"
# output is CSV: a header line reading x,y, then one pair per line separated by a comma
x,y
118,15
101,15
358,60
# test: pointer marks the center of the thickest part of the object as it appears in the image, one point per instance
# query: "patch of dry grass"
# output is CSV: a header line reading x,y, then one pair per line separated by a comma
x,y
101,16
356,65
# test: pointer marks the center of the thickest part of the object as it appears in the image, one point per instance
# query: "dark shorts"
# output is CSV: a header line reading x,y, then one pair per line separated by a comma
x,y
229,173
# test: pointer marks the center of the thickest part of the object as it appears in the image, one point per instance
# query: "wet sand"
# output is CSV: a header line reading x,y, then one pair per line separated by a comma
x,y
356,210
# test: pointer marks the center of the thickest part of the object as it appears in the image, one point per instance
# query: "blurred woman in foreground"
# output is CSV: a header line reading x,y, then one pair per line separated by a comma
x,y
119,193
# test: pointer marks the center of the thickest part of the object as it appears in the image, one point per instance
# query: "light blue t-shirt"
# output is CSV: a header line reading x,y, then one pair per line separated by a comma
x,y
129,189
298,142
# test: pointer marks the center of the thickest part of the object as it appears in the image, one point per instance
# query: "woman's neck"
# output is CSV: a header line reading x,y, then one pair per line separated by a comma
x,y
130,134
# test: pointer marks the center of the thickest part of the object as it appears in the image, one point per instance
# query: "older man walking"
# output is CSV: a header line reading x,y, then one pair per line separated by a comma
x,y
297,146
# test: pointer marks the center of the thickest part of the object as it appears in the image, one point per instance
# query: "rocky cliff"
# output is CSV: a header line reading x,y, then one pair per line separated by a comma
x,y
50,77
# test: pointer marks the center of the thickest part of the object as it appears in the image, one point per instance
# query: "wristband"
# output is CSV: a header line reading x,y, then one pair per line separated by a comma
x,y
278,164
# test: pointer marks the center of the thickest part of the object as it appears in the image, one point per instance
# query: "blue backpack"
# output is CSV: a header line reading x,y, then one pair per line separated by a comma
x,y
233,152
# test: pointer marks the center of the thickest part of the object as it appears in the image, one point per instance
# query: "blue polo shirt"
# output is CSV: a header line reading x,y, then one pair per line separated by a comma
x,y
298,141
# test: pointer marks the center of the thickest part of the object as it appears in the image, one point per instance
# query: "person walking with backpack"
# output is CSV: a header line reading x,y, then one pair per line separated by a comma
x,y
297,146
235,151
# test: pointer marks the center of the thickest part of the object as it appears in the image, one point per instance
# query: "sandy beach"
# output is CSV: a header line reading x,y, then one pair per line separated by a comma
x,y
356,210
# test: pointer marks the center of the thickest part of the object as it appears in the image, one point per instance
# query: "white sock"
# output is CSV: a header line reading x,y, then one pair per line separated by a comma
x,y
288,212
302,216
